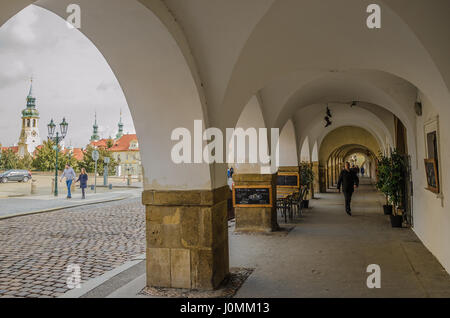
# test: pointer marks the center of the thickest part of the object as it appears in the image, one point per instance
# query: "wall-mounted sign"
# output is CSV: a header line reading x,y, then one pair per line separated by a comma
x,y
252,196
288,179
432,175
95,155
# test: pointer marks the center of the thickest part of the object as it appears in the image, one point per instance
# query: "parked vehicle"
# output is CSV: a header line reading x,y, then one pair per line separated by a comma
x,y
15,175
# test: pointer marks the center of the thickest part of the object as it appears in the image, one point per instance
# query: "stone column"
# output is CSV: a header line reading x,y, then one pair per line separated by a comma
x,y
256,219
187,238
315,168
328,171
322,179
330,185
336,171
311,186
289,169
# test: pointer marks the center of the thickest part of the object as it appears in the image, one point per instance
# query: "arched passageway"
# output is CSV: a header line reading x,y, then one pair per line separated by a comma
x,y
338,145
290,60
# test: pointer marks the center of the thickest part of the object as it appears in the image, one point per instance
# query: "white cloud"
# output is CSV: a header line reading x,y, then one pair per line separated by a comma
x,y
22,28
72,78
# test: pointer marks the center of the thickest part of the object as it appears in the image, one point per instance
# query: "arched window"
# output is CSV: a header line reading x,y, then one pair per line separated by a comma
x,y
28,123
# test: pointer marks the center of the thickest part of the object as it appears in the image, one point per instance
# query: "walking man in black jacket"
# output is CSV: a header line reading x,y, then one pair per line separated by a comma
x,y
349,181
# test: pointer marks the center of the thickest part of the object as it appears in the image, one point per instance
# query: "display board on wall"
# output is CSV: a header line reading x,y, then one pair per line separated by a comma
x,y
432,175
288,179
287,183
252,196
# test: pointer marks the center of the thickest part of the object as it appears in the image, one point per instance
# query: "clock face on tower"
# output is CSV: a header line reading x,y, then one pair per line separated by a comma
x,y
34,133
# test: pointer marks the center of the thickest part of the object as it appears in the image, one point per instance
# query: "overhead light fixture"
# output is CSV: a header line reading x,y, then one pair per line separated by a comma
x,y
418,108
329,112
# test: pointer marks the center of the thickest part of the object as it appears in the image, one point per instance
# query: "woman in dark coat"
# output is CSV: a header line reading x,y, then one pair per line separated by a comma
x,y
83,178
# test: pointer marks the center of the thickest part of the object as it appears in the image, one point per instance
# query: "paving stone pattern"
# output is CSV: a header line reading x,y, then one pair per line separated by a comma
x,y
36,250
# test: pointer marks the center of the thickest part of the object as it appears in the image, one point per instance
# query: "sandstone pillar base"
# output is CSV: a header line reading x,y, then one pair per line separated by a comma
x,y
256,219
285,190
187,238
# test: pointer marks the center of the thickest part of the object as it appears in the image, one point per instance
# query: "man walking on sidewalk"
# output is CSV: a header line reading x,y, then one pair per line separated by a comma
x,y
349,181
70,175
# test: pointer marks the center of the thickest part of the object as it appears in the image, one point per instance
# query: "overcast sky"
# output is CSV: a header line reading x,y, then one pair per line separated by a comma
x,y
71,79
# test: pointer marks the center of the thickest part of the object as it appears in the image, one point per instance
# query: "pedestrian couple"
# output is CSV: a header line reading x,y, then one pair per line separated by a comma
x,y
349,181
70,176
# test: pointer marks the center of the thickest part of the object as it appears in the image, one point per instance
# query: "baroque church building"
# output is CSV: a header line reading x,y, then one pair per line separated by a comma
x,y
29,136
124,149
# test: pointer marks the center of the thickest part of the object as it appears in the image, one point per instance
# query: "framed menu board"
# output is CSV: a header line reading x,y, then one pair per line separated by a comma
x,y
432,175
288,179
252,196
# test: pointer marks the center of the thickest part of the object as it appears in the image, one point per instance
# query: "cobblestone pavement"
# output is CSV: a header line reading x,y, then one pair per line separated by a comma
x,y
36,250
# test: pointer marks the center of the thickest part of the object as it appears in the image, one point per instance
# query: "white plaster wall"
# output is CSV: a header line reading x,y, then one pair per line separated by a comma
x,y
217,30
431,212
310,122
251,117
287,46
305,155
315,152
288,146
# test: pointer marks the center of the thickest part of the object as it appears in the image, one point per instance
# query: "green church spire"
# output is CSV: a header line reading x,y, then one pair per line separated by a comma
x,y
120,124
95,135
31,110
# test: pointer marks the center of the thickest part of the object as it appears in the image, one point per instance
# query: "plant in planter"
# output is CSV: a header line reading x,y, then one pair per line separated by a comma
x,y
306,181
383,175
396,185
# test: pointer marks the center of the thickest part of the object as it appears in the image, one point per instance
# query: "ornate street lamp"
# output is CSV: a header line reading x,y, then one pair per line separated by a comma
x,y
51,129
63,126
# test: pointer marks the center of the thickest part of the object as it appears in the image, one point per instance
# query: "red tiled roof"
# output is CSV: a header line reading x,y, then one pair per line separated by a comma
x,y
102,143
77,153
123,144
15,149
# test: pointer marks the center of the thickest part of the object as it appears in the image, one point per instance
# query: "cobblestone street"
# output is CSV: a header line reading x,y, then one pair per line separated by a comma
x,y
36,250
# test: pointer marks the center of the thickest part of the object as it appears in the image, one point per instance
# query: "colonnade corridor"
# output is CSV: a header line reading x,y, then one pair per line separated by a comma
x,y
327,252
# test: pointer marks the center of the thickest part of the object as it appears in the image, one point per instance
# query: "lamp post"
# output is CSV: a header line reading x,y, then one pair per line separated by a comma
x,y
57,138
128,174
95,156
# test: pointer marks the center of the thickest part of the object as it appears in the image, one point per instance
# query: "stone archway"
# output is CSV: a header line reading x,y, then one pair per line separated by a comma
x,y
330,157
187,241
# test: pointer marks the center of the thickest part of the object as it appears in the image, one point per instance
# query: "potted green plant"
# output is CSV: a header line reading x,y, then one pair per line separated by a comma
x,y
383,174
306,181
396,186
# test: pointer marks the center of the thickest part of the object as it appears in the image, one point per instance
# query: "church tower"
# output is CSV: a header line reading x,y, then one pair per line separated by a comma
x,y
95,136
29,135
120,132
